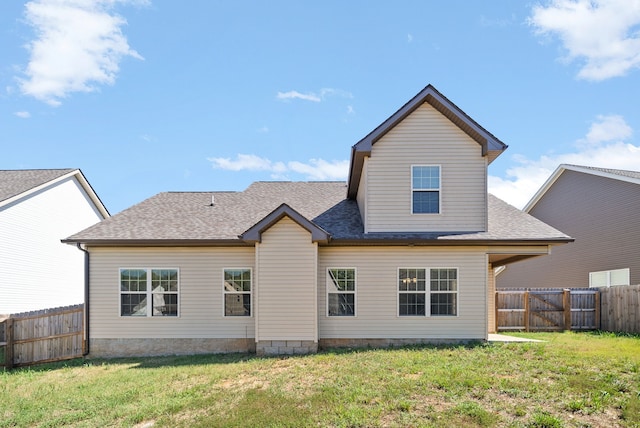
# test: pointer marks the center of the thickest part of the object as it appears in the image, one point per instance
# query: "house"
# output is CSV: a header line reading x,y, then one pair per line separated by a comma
x,y
599,208
402,253
37,208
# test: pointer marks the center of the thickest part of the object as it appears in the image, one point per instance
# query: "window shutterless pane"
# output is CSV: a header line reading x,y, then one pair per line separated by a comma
x,y
412,304
343,279
133,305
443,304
411,280
165,305
426,177
238,305
426,202
342,304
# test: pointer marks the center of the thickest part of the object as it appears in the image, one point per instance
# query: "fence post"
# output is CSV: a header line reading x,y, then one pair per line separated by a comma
x,y
526,310
566,306
496,325
8,349
597,305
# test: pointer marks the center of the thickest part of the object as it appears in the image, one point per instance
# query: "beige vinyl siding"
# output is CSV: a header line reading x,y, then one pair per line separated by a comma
x,y
286,283
426,137
200,295
361,198
491,299
377,293
601,214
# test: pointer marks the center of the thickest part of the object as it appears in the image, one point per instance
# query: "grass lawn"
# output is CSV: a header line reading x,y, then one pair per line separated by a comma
x,y
570,380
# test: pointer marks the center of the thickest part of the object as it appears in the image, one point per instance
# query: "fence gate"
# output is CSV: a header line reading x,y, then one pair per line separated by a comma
x,y
547,309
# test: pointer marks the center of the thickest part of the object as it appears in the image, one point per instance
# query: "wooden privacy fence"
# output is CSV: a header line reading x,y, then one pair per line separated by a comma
x,y
620,306
547,309
42,336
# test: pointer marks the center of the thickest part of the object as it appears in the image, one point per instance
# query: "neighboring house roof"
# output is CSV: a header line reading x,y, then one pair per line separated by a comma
x,y
17,184
237,218
491,146
616,174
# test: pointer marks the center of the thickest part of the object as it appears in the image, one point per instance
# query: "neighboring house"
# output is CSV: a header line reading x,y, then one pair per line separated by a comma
x,y
403,253
600,209
37,209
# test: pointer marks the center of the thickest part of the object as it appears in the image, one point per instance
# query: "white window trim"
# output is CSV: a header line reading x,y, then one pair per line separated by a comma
x,y
417,190
427,292
608,274
250,293
354,292
457,292
149,293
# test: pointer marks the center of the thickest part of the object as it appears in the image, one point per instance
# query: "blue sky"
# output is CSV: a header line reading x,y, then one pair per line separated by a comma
x,y
148,96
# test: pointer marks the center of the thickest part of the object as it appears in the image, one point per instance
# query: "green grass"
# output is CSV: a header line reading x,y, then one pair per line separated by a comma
x,y
570,380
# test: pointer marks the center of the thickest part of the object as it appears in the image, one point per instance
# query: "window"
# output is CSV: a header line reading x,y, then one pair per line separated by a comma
x,y
138,287
341,292
412,288
607,278
425,189
441,297
237,292
444,292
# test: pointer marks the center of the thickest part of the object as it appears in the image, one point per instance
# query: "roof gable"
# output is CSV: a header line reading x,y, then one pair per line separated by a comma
x,y
615,174
491,146
18,184
254,233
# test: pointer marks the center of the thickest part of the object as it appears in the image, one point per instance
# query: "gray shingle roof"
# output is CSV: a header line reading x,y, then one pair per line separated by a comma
x,y
620,172
190,217
16,182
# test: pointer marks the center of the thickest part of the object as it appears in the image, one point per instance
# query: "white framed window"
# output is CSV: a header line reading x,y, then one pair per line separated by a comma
x,y
140,286
425,189
341,292
444,291
412,292
439,298
236,289
607,278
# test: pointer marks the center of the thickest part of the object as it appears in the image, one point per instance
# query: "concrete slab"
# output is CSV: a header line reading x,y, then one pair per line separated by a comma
x,y
505,338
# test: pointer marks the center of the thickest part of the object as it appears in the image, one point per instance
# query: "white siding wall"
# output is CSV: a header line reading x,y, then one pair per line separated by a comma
x,y
376,293
426,137
37,271
201,294
286,274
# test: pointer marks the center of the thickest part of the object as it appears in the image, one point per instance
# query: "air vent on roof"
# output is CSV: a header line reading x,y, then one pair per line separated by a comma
x,y
213,200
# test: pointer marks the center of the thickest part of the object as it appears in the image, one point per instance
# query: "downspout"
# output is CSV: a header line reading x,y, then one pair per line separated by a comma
x,y
85,351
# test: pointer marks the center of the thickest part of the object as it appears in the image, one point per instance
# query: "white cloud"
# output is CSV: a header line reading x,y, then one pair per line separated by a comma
x,y
601,33
315,169
323,94
319,169
23,114
79,45
409,38
297,95
604,146
248,162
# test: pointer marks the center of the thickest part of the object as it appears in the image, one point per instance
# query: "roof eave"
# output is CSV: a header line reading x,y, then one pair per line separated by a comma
x,y
157,242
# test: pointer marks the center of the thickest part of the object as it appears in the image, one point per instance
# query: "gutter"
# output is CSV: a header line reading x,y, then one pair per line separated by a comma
x,y
85,351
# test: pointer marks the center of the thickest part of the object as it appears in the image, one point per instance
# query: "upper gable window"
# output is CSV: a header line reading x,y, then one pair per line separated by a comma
x,y
425,189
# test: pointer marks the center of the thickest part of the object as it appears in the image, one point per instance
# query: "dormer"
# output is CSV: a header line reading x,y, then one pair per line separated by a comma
x,y
424,169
